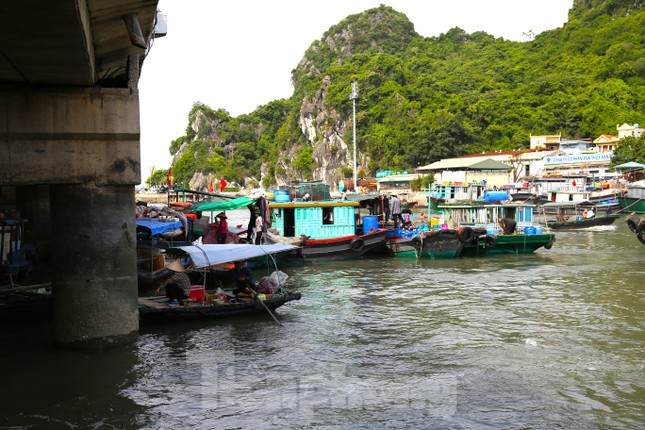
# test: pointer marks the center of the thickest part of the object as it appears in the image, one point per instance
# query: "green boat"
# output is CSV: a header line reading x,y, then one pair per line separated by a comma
x,y
634,199
483,217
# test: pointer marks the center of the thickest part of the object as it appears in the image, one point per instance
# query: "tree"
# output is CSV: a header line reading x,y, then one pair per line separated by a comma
x,y
629,149
158,177
304,163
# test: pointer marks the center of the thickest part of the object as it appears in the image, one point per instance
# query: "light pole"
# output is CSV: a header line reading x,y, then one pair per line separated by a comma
x,y
353,97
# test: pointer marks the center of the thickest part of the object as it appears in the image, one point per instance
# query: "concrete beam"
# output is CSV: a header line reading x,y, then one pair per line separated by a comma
x,y
69,136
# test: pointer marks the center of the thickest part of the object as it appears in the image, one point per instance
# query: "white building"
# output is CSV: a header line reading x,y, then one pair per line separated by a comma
x,y
626,130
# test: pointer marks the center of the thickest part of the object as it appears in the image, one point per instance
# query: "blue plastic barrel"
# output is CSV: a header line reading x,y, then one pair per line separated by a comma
x,y
495,196
281,198
370,223
529,230
538,229
281,192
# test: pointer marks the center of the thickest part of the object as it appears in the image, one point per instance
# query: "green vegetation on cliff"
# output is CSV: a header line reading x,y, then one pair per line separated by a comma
x,y
422,99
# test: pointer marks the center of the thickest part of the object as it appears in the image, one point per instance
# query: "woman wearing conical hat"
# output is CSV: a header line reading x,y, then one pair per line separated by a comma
x,y
177,287
222,228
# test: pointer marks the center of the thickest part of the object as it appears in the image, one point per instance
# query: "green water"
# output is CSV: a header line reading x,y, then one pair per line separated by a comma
x,y
553,339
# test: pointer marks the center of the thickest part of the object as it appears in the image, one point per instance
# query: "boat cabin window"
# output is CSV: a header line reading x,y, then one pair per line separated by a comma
x,y
328,216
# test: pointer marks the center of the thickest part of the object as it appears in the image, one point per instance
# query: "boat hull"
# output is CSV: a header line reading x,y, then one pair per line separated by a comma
x,y
433,244
629,205
508,244
25,304
340,248
155,308
584,223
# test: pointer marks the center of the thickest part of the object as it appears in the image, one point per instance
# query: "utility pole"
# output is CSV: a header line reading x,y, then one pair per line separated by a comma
x,y
353,97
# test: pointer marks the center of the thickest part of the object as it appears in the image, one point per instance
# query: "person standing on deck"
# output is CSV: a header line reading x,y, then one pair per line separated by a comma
x,y
250,232
222,227
395,208
259,229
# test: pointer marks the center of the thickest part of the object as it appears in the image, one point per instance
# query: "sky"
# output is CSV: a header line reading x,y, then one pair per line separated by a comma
x,y
238,55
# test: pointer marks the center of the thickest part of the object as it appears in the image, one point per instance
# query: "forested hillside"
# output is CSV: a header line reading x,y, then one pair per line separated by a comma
x,y
423,99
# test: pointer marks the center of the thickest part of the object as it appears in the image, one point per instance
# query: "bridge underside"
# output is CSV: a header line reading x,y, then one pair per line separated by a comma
x,y
69,146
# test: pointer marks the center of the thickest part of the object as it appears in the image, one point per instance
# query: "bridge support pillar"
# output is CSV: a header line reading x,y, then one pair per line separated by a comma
x,y
79,147
94,271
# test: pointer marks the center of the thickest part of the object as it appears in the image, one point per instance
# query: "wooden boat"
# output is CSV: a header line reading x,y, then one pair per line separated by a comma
x,y
634,198
23,302
154,236
156,308
433,244
330,228
604,201
205,260
168,228
570,216
575,223
483,217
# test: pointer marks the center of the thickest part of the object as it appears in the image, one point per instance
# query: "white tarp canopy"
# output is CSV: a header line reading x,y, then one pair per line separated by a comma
x,y
206,255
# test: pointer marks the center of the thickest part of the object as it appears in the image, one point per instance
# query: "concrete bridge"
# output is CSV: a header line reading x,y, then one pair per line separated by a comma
x,y
69,152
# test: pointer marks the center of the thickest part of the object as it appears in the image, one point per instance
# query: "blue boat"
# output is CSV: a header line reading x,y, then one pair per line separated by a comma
x,y
331,228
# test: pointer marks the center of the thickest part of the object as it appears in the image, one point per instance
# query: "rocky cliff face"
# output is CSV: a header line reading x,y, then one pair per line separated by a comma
x,y
324,128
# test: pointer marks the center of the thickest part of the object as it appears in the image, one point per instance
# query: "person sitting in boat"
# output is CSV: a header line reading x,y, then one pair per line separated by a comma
x,y
590,214
508,225
177,287
245,285
562,217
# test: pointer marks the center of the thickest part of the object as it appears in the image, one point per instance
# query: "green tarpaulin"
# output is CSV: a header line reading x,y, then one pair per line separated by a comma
x,y
222,205
630,165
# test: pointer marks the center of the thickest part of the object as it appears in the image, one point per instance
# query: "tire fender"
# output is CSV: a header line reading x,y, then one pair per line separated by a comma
x,y
490,241
634,222
640,227
466,234
416,242
641,237
549,244
357,244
